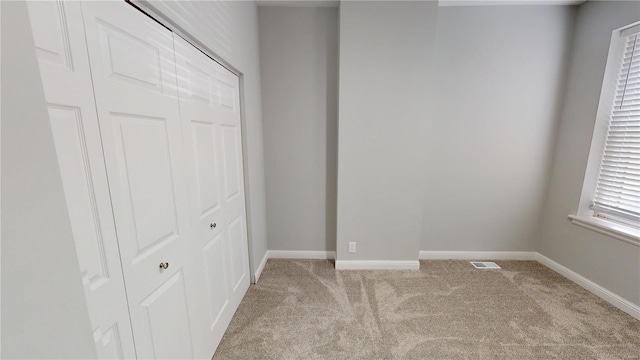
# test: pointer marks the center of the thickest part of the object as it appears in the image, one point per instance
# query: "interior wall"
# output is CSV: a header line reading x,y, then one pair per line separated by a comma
x,y
608,262
500,74
299,67
44,312
386,53
230,30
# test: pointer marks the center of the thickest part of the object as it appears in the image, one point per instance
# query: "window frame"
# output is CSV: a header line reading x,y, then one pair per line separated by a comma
x,y
585,216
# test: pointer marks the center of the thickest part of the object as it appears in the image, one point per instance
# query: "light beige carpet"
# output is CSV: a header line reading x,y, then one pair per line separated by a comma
x,y
305,309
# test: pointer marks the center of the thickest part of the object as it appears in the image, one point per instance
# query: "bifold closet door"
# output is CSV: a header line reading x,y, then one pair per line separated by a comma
x,y
64,66
133,71
209,107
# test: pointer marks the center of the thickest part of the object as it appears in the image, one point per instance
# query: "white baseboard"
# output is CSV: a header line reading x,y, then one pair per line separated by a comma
x,y
261,266
377,265
608,296
288,254
477,255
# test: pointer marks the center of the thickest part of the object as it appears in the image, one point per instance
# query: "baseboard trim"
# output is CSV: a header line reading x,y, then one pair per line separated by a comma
x,y
288,254
261,266
377,265
477,255
608,296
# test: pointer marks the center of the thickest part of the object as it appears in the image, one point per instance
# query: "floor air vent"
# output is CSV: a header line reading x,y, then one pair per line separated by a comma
x,y
485,265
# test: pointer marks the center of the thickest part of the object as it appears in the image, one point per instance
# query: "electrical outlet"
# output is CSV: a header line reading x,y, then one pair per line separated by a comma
x,y
352,247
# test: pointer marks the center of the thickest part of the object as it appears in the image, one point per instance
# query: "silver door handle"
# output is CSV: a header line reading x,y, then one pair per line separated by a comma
x,y
164,265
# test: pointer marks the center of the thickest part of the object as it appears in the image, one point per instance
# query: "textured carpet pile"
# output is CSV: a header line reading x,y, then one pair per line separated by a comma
x,y
305,309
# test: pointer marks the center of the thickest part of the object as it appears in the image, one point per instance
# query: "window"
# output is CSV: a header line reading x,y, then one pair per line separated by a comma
x,y
617,192
611,194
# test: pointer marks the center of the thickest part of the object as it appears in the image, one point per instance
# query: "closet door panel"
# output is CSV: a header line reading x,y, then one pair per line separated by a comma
x,y
133,70
206,188
144,163
233,177
232,170
213,254
220,252
167,319
238,264
64,66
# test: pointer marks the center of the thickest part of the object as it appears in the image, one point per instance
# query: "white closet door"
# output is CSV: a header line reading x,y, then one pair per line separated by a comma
x,y
64,66
133,70
209,107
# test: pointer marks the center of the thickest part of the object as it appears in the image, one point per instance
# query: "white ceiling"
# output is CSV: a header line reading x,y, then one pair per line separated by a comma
x,y
335,3
300,3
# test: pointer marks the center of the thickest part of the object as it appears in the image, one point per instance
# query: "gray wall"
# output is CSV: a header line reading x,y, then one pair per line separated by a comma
x,y
386,51
44,313
500,75
513,117
230,30
299,67
472,125
604,260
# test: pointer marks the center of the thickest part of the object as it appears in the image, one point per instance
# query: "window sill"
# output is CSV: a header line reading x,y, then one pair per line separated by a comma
x,y
617,231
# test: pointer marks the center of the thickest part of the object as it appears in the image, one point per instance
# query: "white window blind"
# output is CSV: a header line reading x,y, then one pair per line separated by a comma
x,y
617,193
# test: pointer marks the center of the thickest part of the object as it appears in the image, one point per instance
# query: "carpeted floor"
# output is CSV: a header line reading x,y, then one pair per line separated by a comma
x,y
305,309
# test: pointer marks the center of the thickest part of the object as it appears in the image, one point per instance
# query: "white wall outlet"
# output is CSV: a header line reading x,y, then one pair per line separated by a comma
x,y
352,247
